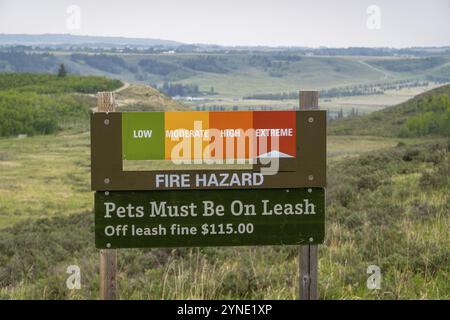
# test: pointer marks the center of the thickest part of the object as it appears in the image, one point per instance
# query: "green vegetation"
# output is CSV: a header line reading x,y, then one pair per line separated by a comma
x,y
39,114
206,64
43,103
108,63
49,83
433,118
386,207
347,91
387,204
62,71
244,73
17,61
390,208
157,67
409,65
183,90
427,113
441,75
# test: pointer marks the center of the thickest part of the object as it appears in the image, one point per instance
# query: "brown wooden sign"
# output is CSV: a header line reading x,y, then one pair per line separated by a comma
x,y
116,140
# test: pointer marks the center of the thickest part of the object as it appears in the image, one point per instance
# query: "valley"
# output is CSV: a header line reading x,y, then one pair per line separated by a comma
x,y
205,78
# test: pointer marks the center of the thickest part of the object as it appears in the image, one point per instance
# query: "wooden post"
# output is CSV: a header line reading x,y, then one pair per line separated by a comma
x,y
309,100
108,257
308,255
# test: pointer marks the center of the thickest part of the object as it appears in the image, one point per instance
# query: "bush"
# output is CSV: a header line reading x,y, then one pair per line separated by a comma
x,y
40,103
31,113
425,114
438,177
49,83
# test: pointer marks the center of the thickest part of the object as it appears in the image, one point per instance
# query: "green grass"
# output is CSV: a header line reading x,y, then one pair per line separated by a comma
x,y
347,147
386,206
44,176
364,104
37,103
308,73
409,65
393,121
48,83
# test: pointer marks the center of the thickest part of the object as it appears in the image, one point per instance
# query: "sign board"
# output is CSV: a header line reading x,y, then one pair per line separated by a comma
x,y
205,135
279,149
277,197
199,218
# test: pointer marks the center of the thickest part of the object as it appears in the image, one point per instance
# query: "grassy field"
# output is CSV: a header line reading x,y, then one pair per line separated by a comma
x,y
44,176
387,204
393,221
396,121
364,104
49,175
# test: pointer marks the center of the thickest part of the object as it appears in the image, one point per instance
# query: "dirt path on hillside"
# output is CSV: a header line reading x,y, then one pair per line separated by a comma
x,y
385,74
125,85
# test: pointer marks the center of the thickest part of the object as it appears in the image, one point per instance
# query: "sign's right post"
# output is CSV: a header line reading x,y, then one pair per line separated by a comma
x,y
308,254
108,257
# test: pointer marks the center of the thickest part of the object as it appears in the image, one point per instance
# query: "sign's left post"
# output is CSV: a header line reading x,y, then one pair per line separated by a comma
x,y
108,257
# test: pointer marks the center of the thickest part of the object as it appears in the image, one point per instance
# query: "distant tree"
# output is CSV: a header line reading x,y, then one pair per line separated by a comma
x,y
62,71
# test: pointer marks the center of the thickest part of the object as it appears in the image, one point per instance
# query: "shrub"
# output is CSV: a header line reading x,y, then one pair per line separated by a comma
x,y
40,103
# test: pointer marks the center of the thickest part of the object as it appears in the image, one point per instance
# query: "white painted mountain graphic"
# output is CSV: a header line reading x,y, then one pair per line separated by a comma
x,y
275,154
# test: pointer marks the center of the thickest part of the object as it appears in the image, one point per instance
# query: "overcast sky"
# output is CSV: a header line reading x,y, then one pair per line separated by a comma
x,y
332,23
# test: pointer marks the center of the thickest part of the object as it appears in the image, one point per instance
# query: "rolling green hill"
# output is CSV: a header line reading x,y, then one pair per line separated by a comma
x,y
427,113
387,207
409,65
233,74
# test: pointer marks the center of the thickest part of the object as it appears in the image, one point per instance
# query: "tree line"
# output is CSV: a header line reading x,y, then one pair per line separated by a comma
x,y
182,90
50,83
357,90
19,61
